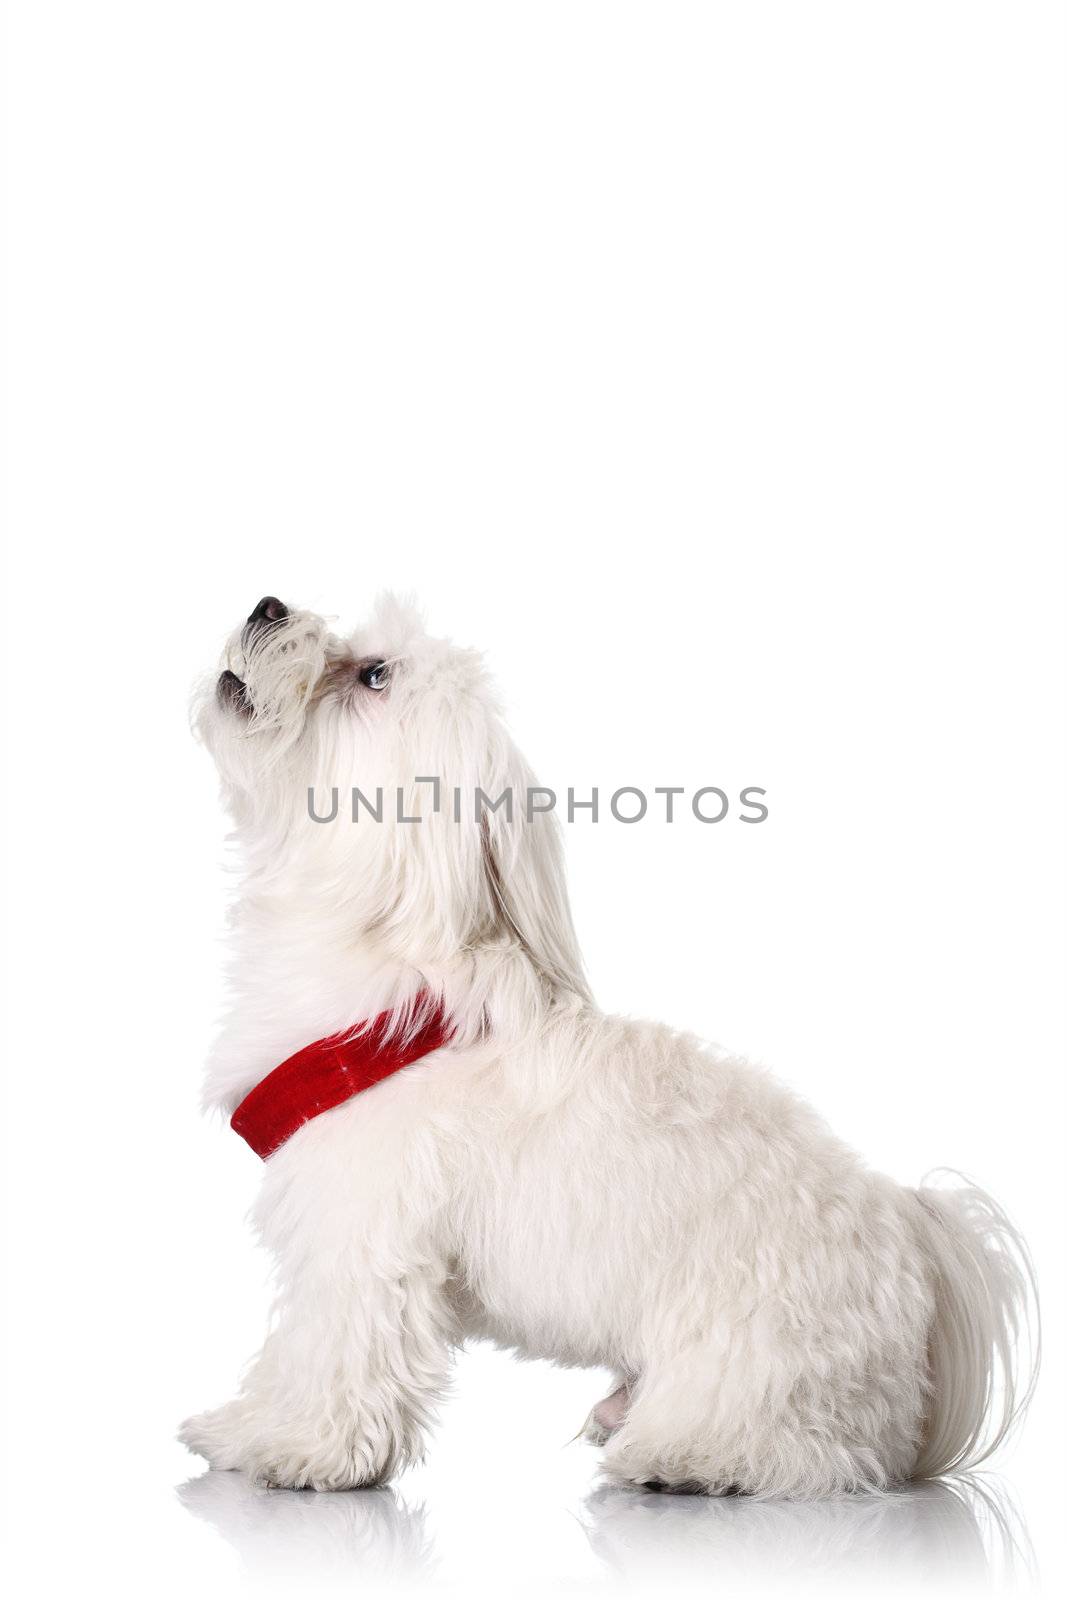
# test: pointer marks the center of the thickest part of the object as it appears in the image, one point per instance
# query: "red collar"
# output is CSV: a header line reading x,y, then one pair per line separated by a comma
x,y
329,1072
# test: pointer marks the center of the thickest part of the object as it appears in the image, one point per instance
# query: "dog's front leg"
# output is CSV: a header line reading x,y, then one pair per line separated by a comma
x,y
342,1391
345,1385
359,1354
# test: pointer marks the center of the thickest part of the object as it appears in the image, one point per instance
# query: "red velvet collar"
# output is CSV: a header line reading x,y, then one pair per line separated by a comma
x,y
329,1072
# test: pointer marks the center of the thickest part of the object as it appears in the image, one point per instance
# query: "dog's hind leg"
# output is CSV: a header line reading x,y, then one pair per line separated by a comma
x,y
747,1412
662,1436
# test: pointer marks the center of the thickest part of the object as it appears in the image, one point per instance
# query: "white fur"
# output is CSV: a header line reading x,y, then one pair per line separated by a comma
x,y
591,1189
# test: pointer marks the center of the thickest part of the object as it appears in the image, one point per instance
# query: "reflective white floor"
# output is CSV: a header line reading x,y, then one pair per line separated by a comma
x,y
964,1536
503,1507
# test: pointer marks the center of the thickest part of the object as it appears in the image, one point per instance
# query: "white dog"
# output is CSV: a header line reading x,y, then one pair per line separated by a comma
x,y
597,1191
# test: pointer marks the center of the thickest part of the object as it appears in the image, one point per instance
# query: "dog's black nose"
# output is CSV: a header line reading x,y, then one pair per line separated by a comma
x,y
268,610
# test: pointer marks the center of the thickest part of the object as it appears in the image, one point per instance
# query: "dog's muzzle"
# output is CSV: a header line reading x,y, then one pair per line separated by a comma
x,y
268,614
231,691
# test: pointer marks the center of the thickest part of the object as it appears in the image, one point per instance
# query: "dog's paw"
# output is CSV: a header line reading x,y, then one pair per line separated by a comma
x,y
606,1417
289,1452
215,1435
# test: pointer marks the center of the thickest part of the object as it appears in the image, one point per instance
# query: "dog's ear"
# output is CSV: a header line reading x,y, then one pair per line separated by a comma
x,y
522,866
472,863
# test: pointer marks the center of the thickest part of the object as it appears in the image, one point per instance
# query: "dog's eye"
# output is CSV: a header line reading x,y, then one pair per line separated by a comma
x,y
376,676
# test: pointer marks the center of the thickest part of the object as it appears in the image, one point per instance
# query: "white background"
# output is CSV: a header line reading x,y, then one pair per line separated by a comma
x,y
703,364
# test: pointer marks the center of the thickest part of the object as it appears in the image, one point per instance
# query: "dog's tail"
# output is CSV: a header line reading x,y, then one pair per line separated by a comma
x,y
985,1342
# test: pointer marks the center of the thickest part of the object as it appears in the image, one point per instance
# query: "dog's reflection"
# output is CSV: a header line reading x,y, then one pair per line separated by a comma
x,y
366,1533
959,1532
964,1531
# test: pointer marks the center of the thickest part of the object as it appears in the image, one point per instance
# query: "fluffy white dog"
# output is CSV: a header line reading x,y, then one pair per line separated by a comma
x,y
586,1188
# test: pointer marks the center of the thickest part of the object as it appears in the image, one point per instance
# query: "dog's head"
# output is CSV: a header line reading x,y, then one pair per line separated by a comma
x,y
300,717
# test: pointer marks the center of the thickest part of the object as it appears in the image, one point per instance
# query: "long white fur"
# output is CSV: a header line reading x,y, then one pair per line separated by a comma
x,y
596,1190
